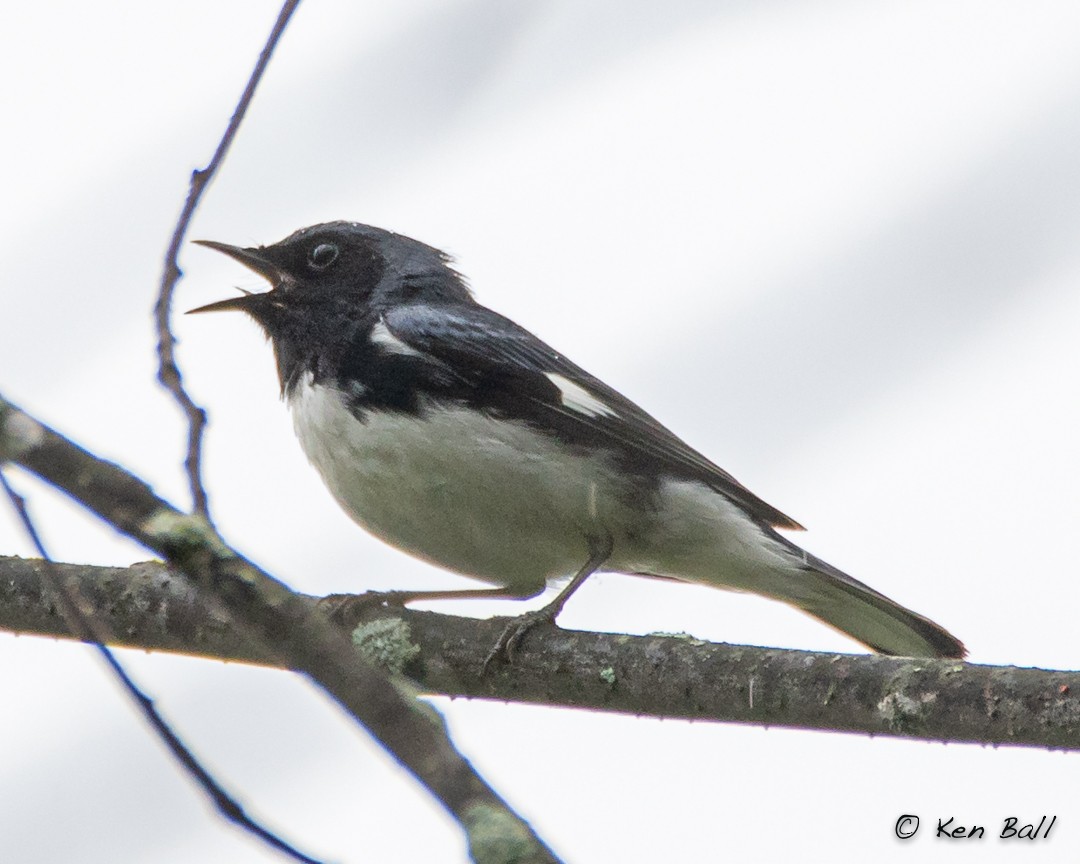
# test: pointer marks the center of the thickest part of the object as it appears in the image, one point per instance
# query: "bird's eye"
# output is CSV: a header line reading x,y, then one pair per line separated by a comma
x,y
322,256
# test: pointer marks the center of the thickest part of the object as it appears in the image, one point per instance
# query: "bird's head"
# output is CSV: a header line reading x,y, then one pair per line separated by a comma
x,y
338,270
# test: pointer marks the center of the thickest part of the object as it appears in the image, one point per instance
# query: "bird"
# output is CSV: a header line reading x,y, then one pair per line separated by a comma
x,y
456,435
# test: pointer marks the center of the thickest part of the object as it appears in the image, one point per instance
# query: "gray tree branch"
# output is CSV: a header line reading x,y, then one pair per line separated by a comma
x,y
149,607
272,616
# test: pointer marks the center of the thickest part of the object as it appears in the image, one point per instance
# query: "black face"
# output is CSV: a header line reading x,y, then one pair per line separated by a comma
x,y
329,281
328,262
340,264
320,271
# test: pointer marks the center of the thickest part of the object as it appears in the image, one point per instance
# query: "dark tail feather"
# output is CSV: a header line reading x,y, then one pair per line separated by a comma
x,y
865,615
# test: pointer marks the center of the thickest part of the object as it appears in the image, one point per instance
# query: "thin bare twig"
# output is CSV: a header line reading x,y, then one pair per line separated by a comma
x,y
169,375
87,628
168,371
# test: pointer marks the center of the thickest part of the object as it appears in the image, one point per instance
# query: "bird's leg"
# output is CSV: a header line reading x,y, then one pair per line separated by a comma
x,y
599,550
347,609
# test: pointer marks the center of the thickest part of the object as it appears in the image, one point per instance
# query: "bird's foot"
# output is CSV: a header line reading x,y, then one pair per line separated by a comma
x,y
348,609
506,645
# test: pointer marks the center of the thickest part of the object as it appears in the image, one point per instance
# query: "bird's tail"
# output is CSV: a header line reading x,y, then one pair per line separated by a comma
x,y
860,612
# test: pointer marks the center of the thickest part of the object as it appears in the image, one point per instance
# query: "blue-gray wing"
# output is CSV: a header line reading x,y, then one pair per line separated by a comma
x,y
494,365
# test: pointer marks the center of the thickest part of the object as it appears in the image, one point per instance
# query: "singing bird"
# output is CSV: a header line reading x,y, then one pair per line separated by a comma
x,y
456,435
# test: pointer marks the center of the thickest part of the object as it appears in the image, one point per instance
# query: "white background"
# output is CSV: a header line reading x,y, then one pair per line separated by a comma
x,y
831,244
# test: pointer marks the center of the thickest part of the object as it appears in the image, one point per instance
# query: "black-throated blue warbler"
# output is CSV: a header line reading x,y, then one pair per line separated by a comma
x,y
456,435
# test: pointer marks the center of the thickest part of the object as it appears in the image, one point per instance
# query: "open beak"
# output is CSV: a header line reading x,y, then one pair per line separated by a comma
x,y
253,259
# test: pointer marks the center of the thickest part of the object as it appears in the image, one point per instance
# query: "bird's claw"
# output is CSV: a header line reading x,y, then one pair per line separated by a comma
x,y
348,609
506,645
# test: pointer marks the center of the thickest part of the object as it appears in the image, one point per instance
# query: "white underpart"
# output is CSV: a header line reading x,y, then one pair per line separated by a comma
x,y
577,398
499,501
487,498
381,336
699,535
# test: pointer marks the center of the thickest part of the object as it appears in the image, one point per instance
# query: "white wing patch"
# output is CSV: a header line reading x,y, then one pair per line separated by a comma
x,y
577,398
381,336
